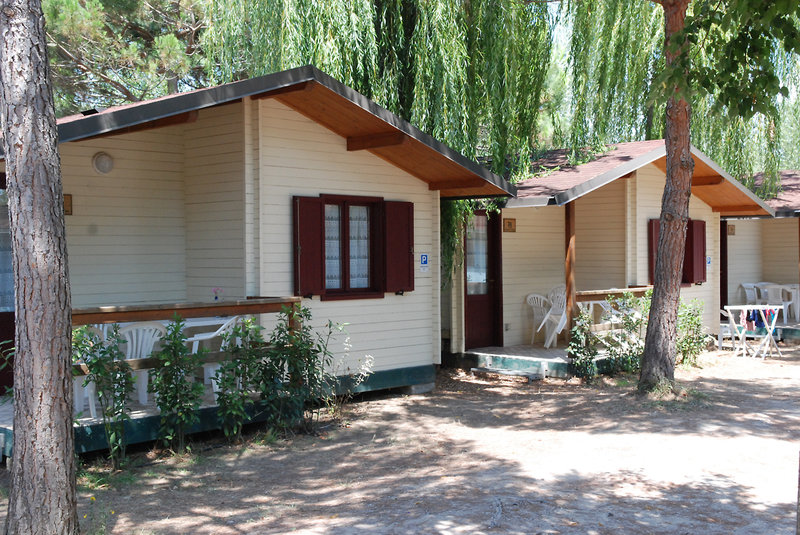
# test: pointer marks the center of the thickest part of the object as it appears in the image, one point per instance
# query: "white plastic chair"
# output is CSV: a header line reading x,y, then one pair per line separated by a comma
x,y
725,331
140,340
210,368
556,318
540,306
776,295
750,293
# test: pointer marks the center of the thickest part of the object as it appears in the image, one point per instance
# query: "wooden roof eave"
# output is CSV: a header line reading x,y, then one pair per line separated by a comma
x,y
301,88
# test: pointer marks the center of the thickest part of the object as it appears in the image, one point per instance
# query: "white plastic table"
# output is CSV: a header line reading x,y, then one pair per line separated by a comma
x,y
766,342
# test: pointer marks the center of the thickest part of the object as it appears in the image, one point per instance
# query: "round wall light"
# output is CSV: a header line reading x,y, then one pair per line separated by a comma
x,y
103,163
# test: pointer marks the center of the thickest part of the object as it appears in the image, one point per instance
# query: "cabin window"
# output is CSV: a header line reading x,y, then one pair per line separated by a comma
x,y
349,247
694,256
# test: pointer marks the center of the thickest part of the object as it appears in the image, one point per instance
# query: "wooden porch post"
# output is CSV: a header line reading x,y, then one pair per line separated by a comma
x,y
569,263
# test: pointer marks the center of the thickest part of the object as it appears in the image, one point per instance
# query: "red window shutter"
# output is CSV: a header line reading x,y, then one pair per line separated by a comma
x,y
308,223
694,261
653,226
399,246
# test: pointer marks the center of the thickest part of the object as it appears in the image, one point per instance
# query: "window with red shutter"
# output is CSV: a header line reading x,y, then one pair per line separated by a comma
x,y
694,257
349,247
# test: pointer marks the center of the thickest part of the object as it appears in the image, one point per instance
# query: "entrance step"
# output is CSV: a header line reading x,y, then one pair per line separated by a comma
x,y
531,376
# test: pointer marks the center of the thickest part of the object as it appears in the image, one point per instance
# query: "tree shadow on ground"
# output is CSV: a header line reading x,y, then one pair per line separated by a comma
x,y
360,483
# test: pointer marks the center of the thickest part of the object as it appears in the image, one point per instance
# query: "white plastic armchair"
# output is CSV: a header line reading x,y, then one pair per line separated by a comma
x,y
210,368
556,318
140,339
776,295
750,293
540,305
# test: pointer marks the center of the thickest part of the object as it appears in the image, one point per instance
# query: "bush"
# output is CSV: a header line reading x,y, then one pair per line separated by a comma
x,y
625,349
238,376
691,340
178,396
582,348
295,372
113,381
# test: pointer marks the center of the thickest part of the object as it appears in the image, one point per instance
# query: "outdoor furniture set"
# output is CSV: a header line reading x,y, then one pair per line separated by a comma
x,y
751,329
140,341
780,296
549,313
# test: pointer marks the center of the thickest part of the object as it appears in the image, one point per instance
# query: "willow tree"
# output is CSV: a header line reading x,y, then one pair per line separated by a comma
x,y
42,499
469,73
616,54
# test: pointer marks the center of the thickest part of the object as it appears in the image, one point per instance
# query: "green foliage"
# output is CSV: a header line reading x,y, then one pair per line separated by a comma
x,y
238,376
471,74
582,348
178,395
629,314
113,381
691,340
106,53
295,375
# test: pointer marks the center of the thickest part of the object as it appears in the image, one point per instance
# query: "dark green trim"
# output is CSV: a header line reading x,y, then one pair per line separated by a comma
x,y
507,362
396,378
92,437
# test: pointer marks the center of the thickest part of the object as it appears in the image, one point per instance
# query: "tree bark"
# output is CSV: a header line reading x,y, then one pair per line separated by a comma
x,y
42,499
658,361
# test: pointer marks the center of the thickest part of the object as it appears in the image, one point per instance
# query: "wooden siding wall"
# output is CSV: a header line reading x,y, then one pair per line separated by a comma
x,y
299,157
648,192
214,189
744,258
600,234
779,250
533,262
127,237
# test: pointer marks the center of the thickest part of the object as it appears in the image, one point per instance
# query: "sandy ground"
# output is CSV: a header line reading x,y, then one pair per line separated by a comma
x,y
493,455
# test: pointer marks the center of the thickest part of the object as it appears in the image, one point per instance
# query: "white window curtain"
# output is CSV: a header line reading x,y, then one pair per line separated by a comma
x,y
333,246
359,246
477,260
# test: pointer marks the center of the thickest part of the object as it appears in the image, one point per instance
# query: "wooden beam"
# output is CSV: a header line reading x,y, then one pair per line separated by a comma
x,y
376,141
121,314
294,88
569,263
707,180
456,184
737,208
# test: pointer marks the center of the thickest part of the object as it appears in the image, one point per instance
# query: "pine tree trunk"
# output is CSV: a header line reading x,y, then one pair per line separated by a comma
x,y
42,499
658,361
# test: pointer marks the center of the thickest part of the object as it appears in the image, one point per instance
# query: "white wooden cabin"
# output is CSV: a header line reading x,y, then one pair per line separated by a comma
x,y
190,196
600,211
765,249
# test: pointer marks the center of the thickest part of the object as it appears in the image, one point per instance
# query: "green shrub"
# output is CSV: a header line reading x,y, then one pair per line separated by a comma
x,y
113,381
238,376
178,395
582,348
691,340
626,347
295,378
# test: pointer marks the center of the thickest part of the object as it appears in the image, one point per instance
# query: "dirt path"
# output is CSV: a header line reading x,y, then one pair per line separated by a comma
x,y
498,456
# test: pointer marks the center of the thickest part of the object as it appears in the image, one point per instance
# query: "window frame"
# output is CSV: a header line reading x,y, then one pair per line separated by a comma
x,y
376,245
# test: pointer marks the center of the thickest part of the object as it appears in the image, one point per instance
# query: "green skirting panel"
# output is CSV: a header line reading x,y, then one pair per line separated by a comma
x,y
399,377
90,438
